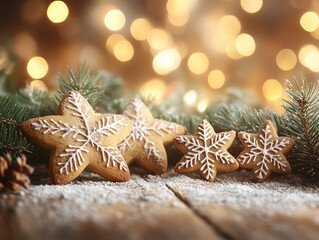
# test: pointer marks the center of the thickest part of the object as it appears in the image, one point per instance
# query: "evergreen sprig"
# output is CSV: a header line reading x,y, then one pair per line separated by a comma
x,y
302,122
12,141
244,118
85,82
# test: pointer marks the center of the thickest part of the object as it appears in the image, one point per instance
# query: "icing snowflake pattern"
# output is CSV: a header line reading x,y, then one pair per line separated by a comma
x,y
141,130
85,135
266,148
206,152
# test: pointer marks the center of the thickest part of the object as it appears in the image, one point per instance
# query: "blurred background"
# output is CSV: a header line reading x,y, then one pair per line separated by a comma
x,y
159,47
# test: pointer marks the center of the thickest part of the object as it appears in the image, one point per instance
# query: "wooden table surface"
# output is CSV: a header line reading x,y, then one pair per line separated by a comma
x,y
170,206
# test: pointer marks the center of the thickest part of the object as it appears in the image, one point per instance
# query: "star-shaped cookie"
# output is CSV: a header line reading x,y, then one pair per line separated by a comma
x,y
79,138
264,152
145,144
206,152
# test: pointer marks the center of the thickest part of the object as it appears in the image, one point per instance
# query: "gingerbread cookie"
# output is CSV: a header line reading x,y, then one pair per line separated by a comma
x,y
264,152
206,152
145,144
80,138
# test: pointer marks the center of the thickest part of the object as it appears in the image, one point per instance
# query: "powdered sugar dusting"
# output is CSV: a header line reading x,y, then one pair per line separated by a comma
x,y
283,195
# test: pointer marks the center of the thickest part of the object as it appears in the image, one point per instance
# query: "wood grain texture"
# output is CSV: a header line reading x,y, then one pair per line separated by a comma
x,y
171,206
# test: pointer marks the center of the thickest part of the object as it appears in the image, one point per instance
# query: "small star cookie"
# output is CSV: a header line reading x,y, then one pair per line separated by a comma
x,y
80,138
264,152
145,144
206,152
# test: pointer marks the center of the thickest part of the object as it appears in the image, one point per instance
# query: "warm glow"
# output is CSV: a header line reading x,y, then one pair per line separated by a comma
x,y
251,6
57,11
179,11
245,44
180,7
154,90
112,41
140,28
37,67
202,105
198,63
229,26
158,39
38,85
272,89
25,45
190,97
231,51
312,61
114,20
178,20
123,51
286,59
315,34
309,21
216,79
304,51
166,61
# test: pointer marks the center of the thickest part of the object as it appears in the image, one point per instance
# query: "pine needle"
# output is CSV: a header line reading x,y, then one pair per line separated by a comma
x,y
302,121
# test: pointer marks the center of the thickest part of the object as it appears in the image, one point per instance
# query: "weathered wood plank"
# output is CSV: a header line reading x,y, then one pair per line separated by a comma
x,y
280,208
91,208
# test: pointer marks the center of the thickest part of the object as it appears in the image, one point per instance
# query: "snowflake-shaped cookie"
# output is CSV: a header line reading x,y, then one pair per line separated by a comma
x,y
264,152
145,144
206,152
80,138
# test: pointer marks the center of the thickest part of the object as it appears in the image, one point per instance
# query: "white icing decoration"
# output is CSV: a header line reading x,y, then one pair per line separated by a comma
x,y
88,135
141,130
196,149
268,151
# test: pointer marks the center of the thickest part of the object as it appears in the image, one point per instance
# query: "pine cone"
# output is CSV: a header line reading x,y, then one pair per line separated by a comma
x,y
14,174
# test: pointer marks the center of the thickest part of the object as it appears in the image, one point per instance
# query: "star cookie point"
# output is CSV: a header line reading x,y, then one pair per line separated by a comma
x,y
145,144
206,152
264,152
79,138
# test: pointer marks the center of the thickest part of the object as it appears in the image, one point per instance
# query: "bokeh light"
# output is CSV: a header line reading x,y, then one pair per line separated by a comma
x,y
245,44
272,89
251,6
202,105
286,59
24,45
179,11
190,97
158,39
37,67
166,61
309,21
231,51
114,20
229,26
305,51
140,28
154,90
38,85
216,79
123,51
57,11
312,61
198,63
112,41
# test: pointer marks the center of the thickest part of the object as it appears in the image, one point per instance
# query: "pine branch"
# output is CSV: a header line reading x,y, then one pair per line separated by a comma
x,y
112,101
12,140
302,120
86,83
37,101
243,118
